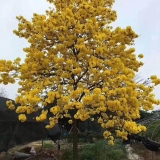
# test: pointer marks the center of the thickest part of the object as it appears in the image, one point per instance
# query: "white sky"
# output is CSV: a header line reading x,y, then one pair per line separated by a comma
x,y
142,15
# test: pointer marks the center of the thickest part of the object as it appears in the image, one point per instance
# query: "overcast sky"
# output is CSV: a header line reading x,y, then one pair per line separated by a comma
x,y
142,15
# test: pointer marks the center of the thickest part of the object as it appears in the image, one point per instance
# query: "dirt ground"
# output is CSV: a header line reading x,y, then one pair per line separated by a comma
x,y
44,153
145,154
51,153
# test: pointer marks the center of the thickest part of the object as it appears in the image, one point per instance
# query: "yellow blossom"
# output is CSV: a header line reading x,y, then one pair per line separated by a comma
x,y
22,117
70,121
140,56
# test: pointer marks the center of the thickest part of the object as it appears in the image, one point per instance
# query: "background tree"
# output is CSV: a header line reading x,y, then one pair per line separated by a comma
x,y
77,58
3,93
145,114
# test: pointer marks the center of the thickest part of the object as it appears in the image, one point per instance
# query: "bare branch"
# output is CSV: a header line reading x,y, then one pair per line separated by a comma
x,y
139,80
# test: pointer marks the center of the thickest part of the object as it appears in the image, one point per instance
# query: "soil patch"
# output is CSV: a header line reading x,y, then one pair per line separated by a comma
x,y
50,153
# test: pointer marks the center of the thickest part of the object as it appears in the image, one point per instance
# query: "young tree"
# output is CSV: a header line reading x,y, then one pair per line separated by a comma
x,y
77,58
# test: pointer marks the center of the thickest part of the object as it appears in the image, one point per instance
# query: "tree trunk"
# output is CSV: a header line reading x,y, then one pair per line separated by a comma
x,y
75,140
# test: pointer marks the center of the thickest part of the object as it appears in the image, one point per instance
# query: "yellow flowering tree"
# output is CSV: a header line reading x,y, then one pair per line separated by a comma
x,y
77,58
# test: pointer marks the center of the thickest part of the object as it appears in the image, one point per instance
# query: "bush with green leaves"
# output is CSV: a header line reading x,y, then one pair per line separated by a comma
x,y
86,137
99,150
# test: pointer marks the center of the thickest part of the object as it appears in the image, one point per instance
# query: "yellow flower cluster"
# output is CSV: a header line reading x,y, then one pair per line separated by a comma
x,y
8,70
21,109
123,134
155,80
43,116
76,93
87,100
22,117
140,55
10,105
132,127
55,110
111,142
106,134
70,121
76,58
53,122
82,114
51,97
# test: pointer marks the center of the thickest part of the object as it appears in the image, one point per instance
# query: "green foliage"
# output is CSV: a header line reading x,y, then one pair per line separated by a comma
x,y
153,130
145,114
90,125
99,150
68,154
86,137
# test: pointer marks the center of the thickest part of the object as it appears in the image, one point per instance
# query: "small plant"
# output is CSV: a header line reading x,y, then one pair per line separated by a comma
x,y
48,144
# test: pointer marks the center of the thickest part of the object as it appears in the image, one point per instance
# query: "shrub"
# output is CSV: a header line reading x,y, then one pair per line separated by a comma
x,y
99,150
67,155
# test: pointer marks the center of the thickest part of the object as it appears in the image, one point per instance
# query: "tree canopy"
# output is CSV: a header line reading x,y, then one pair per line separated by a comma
x,y
76,57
